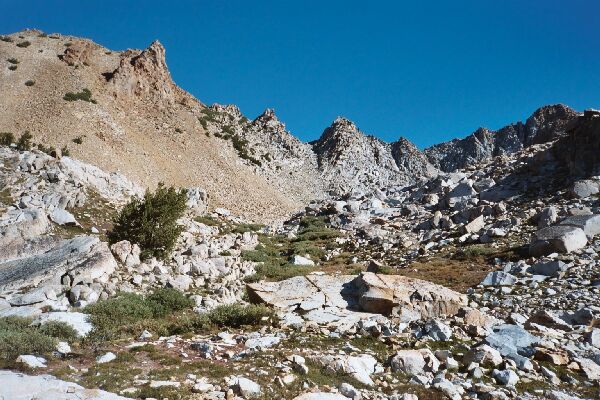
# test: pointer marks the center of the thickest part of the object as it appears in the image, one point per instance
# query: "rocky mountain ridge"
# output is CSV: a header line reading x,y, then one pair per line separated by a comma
x,y
137,119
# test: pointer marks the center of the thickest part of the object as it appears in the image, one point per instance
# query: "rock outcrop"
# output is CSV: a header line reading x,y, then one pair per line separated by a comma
x,y
409,299
545,124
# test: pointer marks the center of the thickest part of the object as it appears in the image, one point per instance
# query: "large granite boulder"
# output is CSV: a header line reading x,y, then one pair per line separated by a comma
x,y
590,224
558,238
409,298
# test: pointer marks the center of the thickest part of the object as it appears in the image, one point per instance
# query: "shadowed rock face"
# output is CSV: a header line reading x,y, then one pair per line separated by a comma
x,y
409,298
66,262
545,124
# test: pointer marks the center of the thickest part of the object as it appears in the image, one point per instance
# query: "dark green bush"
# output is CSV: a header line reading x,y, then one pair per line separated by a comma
x,y
84,95
24,142
151,222
13,61
59,330
23,44
6,138
51,151
17,337
78,139
12,67
29,83
6,39
64,151
166,300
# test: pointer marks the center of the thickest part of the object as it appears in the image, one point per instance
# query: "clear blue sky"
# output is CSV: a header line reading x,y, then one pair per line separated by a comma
x,y
429,72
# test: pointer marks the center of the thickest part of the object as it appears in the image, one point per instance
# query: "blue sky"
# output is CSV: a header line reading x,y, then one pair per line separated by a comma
x,y
429,72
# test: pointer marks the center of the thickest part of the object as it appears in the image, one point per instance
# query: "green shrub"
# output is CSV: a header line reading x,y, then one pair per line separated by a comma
x,y
207,220
78,139
6,138
12,67
162,312
18,337
64,151
24,44
29,83
6,39
60,330
238,315
13,60
51,151
243,228
84,95
151,222
24,142
167,300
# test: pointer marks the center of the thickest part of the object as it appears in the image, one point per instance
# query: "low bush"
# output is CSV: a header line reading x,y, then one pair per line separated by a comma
x,y
84,95
51,151
59,330
24,44
78,139
29,83
24,142
151,221
13,60
129,314
17,337
6,138
6,39
64,151
12,68
237,315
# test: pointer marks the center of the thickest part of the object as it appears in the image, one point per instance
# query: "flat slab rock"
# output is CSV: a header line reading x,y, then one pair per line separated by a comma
x,y
82,259
409,298
18,386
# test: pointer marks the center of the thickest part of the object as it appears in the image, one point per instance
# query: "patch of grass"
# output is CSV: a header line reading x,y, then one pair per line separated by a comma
x,y
17,337
243,228
207,220
238,315
84,95
6,138
24,44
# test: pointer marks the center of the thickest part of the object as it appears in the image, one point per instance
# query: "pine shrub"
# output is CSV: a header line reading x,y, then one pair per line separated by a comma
x,y
151,221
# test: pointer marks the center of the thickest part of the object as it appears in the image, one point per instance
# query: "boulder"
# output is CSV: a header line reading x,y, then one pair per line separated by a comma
x,y
299,260
549,268
63,217
475,226
414,362
484,355
409,298
499,278
32,361
321,396
590,224
547,217
18,386
360,367
585,188
558,238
